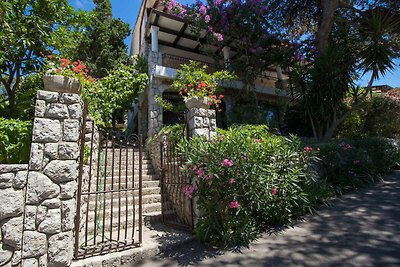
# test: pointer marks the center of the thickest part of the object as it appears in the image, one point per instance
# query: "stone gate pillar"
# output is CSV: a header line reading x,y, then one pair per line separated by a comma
x,y
50,209
201,121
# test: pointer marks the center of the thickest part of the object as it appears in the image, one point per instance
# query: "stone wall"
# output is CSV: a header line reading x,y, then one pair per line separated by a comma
x,y
12,197
52,180
155,111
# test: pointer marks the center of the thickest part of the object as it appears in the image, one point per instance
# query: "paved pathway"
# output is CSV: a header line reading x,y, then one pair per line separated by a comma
x,y
360,229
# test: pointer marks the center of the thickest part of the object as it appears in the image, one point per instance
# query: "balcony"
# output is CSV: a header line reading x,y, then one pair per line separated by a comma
x,y
267,78
175,62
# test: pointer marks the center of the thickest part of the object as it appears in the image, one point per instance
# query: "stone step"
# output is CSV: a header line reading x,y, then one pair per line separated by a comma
x,y
109,172
125,200
147,219
130,193
146,208
123,160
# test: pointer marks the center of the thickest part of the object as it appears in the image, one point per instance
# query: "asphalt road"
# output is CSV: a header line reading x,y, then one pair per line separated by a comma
x,y
359,229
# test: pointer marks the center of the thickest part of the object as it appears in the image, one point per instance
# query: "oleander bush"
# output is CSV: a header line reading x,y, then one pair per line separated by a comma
x,y
248,180
355,162
15,141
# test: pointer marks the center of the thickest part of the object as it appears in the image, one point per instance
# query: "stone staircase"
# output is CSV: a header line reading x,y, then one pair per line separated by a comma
x,y
117,210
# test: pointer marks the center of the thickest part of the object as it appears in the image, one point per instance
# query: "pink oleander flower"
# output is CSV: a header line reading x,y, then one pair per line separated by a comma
x,y
227,163
209,177
345,146
232,181
258,140
308,149
207,18
234,204
189,190
274,191
219,36
200,172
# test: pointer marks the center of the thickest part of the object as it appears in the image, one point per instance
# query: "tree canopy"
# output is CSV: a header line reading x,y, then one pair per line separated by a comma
x,y
102,46
28,30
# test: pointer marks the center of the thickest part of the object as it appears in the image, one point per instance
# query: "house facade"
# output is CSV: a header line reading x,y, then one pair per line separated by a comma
x,y
166,41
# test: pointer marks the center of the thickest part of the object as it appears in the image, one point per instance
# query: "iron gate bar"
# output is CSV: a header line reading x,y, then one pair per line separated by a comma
x,y
118,149
97,190
140,190
78,201
105,184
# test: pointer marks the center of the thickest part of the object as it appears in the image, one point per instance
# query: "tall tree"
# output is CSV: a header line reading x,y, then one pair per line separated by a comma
x,y
29,28
102,47
372,33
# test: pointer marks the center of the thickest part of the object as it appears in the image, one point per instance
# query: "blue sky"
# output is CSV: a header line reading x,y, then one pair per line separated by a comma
x,y
127,10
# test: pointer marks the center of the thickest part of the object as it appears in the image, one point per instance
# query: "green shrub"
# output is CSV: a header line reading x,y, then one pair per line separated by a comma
x,y
248,180
377,116
355,162
175,133
15,141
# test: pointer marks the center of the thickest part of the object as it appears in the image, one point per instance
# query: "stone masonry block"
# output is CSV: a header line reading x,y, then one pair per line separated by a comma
x,y
40,187
75,111
57,110
40,108
62,170
6,179
69,98
71,130
36,158
34,244
46,130
51,223
11,203
51,150
12,232
48,96
61,249
20,179
68,150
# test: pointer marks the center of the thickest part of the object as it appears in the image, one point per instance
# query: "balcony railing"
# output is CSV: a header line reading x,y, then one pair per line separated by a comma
x,y
175,62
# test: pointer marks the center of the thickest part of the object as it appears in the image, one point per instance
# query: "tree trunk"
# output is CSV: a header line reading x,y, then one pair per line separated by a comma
x,y
329,8
11,103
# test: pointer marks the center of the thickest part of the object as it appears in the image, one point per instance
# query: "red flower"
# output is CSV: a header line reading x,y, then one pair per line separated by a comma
x,y
221,96
76,69
49,56
76,63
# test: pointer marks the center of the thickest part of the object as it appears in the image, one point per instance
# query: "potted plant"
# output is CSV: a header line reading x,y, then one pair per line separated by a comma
x,y
65,76
199,88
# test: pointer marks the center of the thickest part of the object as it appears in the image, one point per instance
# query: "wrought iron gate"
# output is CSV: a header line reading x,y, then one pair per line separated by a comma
x,y
177,209
109,197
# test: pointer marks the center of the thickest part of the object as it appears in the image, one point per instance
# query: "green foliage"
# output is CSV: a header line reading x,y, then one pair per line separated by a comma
x,y
27,28
114,92
25,98
355,162
248,180
377,116
26,95
166,105
15,141
175,133
194,81
102,46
